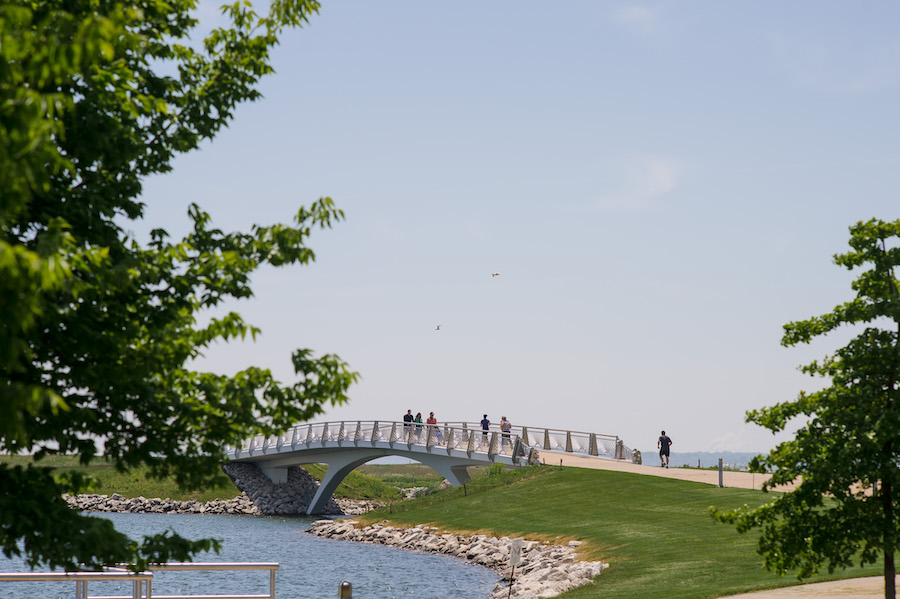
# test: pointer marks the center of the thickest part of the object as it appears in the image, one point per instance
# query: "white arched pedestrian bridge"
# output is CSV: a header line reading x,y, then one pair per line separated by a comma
x,y
449,448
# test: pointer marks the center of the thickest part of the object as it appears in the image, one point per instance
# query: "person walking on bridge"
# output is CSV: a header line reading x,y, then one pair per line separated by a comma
x,y
664,443
432,424
485,426
505,428
418,421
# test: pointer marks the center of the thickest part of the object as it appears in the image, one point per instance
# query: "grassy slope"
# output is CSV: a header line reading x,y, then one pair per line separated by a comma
x,y
656,533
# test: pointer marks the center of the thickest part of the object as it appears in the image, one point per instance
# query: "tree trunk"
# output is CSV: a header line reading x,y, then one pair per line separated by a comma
x,y
890,541
890,590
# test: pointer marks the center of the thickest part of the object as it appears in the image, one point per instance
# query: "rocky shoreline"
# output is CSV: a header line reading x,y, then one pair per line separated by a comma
x,y
240,505
259,496
544,571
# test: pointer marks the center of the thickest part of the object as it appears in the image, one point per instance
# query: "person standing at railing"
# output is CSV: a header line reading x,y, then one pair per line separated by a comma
x,y
664,443
432,423
407,424
418,421
505,428
485,427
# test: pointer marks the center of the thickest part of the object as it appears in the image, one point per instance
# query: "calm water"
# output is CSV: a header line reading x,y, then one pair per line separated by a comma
x,y
310,567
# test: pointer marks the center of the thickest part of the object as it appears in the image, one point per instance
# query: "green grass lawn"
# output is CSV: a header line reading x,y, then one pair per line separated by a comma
x,y
656,533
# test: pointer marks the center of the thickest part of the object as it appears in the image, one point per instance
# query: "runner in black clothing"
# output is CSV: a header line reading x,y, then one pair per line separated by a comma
x,y
663,444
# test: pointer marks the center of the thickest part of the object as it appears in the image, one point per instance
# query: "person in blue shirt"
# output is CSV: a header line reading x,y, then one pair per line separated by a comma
x,y
664,443
485,426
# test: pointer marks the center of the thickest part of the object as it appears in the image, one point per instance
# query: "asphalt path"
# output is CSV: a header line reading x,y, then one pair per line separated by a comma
x,y
739,480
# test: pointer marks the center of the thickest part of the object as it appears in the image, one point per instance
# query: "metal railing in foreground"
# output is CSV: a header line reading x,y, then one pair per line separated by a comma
x,y
142,582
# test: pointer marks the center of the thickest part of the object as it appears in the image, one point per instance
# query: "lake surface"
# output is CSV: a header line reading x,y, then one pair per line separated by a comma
x,y
310,567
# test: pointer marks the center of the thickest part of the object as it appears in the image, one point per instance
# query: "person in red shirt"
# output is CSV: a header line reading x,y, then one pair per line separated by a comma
x,y
432,422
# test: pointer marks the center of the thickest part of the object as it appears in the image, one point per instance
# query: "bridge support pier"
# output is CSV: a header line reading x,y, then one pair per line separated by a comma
x,y
276,475
339,466
456,474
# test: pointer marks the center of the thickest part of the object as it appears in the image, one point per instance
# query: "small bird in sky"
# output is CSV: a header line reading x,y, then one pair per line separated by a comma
x,y
495,274
437,328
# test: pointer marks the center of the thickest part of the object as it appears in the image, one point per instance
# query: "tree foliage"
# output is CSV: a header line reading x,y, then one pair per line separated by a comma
x,y
97,330
847,455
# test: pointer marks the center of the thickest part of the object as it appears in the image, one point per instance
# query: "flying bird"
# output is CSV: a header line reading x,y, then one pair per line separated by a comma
x,y
437,328
495,274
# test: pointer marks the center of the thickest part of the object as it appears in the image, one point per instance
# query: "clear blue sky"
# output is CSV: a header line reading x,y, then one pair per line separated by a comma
x,y
662,186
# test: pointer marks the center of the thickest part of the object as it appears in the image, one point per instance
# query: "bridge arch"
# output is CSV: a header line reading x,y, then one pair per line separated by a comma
x,y
342,463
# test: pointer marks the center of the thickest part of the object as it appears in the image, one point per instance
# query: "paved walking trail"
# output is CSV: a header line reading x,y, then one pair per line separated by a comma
x,y
853,588
741,480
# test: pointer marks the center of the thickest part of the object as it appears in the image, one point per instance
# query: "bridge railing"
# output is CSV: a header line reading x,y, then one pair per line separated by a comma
x,y
446,436
460,436
548,439
357,433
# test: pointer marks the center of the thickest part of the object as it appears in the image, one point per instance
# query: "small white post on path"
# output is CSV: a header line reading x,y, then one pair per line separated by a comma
x,y
515,558
720,474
